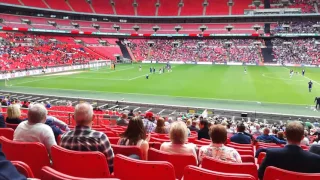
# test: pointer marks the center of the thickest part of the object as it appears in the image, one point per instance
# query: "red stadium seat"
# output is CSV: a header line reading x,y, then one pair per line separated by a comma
x,y
239,147
32,153
49,173
244,145
161,140
155,145
12,126
178,161
7,132
23,169
79,163
126,168
199,142
113,140
247,159
126,150
245,152
273,173
196,173
261,157
227,167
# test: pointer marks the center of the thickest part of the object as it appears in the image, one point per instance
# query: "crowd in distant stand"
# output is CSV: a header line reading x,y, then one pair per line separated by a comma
x,y
296,27
298,51
307,6
22,52
209,50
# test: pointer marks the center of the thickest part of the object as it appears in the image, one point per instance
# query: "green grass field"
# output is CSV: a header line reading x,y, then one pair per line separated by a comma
x,y
260,84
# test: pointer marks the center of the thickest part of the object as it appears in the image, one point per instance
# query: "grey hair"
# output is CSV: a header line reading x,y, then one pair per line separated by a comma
x,y
178,132
83,113
37,113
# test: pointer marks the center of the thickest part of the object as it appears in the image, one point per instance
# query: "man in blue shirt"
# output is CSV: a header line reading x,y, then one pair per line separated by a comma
x,y
7,170
240,137
266,138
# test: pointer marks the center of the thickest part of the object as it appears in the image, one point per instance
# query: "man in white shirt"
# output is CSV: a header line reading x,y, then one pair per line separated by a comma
x,y
34,129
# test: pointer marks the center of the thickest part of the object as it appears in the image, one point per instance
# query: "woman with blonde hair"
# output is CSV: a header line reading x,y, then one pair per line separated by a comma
x,y
13,114
178,136
161,128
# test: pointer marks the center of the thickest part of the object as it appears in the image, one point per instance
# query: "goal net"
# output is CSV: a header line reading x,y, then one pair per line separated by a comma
x,y
98,64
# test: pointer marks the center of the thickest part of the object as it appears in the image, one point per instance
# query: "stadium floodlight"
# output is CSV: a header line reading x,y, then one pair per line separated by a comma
x,y
285,3
229,28
26,21
155,28
181,4
177,28
112,2
157,4
150,43
257,3
53,23
76,25
116,27
136,28
205,4
135,4
203,28
96,26
256,27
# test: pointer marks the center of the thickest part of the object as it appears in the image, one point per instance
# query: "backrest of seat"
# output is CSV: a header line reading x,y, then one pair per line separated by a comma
x,y
23,169
91,164
239,147
153,139
273,173
245,152
49,173
227,167
244,145
12,126
155,145
126,168
113,140
196,173
247,158
178,161
33,154
126,150
261,157
7,132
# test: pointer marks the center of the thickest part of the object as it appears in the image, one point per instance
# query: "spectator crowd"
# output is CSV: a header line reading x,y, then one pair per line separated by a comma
x,y
39,127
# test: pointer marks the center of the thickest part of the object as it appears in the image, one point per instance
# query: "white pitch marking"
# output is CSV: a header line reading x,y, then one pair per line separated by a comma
x,y
306,77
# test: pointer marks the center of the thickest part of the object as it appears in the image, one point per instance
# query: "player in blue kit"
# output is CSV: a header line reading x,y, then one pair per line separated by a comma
x,y
310,86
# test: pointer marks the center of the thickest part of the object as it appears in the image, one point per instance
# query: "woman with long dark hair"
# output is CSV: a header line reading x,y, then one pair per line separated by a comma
x,y
161,128
135,135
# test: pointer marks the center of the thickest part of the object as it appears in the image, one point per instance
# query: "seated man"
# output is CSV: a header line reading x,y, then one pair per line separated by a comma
x,y
266,138
240,137
34,129
123,121
292,157
82,138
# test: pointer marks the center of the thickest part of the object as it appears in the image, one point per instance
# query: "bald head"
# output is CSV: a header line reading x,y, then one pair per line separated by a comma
x,y
83,114
37,114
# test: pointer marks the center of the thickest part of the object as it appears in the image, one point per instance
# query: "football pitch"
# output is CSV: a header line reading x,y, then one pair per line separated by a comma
x,y
223,86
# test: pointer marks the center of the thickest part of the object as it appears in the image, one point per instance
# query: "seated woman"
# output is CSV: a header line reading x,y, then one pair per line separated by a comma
x,y
178,136
135,135
13,114
216,149
161,128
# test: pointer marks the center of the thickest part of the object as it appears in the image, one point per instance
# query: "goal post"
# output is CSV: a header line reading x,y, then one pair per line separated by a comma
x,y
98,64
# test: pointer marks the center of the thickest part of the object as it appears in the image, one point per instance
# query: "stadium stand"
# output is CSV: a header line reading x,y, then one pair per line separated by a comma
x,y
102,7
191,8
146,8
168,8
17,2
80,6
58,4
35,3
217,7
124,7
